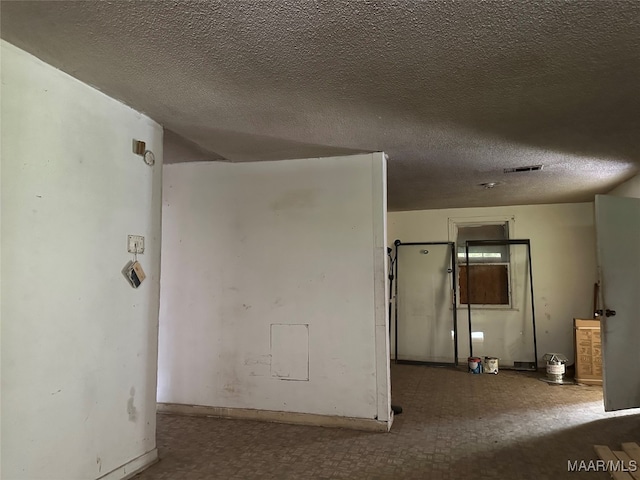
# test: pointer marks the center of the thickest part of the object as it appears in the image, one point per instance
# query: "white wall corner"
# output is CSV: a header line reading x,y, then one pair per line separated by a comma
x,y
381,286
630,188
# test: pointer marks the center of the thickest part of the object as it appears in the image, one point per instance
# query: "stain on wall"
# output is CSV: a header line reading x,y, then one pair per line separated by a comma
x,y
132,411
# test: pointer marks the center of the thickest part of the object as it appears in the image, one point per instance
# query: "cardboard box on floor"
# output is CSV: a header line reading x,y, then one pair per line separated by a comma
x,y
588,350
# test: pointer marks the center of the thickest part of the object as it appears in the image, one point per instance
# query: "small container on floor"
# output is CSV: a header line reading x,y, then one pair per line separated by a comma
x,y
475,365
491,365
556,366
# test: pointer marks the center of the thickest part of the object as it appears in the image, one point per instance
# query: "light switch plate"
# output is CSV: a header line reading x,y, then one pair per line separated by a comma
x,y
135,244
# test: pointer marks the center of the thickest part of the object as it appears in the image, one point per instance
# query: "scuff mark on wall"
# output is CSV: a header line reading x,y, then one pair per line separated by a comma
x,y
258,366
229,388
259,360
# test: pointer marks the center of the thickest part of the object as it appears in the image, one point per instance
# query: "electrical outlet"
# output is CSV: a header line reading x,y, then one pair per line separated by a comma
x,y
135,244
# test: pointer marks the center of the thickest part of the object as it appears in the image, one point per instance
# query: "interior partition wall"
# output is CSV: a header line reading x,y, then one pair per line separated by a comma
x,y
425,319
506,331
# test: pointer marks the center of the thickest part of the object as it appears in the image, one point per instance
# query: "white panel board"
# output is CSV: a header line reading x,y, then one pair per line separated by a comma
x,y
290,352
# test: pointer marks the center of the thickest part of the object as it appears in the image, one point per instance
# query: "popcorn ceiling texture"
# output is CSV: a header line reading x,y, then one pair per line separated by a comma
x,y
453,92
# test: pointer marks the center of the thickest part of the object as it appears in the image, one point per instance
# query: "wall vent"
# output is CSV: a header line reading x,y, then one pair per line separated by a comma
x,y
528,168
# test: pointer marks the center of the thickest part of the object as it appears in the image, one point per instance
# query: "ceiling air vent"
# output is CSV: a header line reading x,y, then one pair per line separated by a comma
x,y
528,168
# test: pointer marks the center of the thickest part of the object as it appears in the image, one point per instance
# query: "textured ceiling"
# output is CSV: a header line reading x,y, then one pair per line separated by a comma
x,y
452,91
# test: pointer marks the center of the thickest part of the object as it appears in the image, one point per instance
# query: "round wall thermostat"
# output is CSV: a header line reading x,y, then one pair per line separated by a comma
x,y
149,157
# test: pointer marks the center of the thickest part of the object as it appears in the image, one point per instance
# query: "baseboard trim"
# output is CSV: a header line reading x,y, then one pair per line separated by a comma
x,y
589,381
133,467
366,424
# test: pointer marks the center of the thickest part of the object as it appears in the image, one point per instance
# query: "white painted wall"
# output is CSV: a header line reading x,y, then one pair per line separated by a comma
x,y
253,245
564,267
630,188
79,345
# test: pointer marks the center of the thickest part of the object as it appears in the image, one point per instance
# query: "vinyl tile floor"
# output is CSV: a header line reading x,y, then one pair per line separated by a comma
x,y
454,426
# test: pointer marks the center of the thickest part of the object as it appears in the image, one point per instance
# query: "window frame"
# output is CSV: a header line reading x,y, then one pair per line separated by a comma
x,y
509,220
